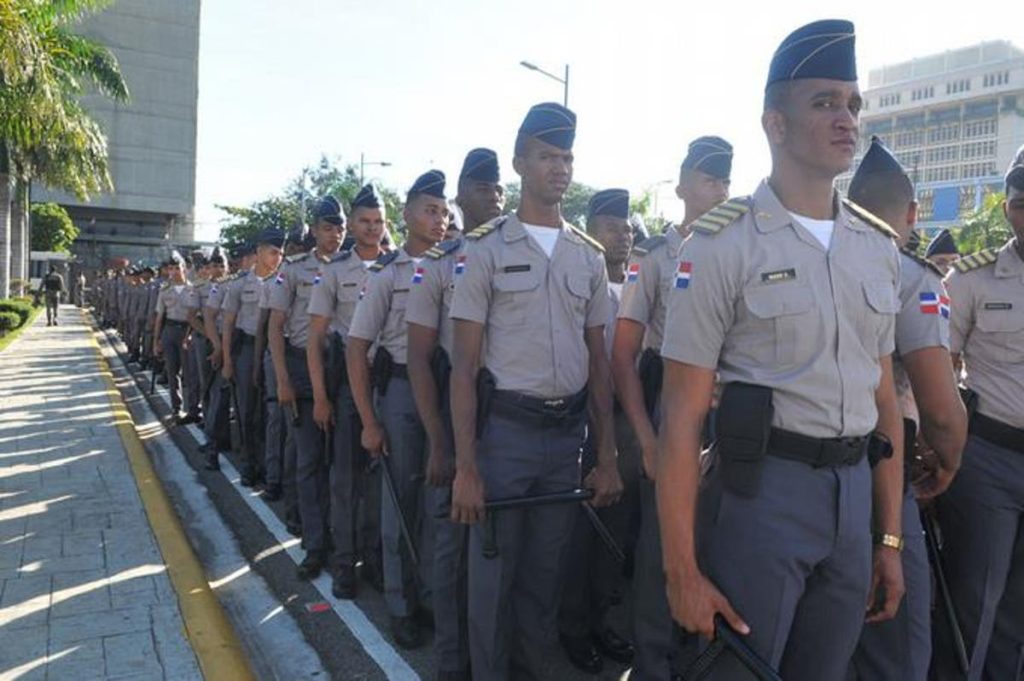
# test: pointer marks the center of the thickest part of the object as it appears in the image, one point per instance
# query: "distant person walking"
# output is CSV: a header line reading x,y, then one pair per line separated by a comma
x,y
52,286
80,290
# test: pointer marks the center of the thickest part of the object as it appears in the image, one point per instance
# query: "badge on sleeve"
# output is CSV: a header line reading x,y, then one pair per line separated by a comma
x,y
933,303
417,275
683,274
317,278
460,264
633,273
279,279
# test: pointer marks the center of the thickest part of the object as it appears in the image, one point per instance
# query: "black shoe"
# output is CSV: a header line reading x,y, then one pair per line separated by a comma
x,y
191,417
294,528
425,618
212,461
373,575
344,584
311,566
272,492
612,646
453,676
248,477
176,417
406,632
581,653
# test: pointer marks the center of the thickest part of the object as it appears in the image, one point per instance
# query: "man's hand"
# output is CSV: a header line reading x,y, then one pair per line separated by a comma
x,y
228,371
467,496
887,582
285,393
649,456
323,414
215,358
605,481
158,349
186,343
695,601
374,439
440,465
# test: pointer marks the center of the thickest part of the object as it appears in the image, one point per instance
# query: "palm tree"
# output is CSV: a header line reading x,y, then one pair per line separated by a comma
x,y
45,133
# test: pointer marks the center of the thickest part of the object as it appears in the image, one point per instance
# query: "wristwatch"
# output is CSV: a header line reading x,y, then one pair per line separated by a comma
x,y
890,540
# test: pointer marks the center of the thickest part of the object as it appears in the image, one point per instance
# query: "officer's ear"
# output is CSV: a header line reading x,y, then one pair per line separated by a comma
x,y
773,122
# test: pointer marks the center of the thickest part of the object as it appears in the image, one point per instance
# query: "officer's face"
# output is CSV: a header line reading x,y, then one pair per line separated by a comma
x,y
427,217
216,270
545,169
944,261
816,127
329,236
1014,209
175,274
367,226
701,191
481,201
269,256
615,234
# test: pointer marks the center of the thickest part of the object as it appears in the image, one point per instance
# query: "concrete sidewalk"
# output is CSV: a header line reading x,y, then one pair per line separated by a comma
x,y
84,592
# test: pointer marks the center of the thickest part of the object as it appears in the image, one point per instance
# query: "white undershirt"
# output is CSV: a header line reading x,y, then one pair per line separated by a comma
x,y
546,237
821,229
367,263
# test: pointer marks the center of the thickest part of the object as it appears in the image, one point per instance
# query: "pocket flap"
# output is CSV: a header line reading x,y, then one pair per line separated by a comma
x,y
881,297
771,301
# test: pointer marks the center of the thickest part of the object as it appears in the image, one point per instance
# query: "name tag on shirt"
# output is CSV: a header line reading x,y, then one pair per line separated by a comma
x,y
998,306
517,268
777,276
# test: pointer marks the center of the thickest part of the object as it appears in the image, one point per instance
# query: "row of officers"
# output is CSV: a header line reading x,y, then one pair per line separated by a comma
x,y
758,404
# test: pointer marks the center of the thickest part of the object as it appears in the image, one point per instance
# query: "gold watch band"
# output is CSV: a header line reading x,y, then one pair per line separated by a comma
x,y
890,540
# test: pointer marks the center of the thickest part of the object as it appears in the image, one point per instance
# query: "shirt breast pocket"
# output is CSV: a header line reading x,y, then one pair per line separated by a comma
x,y
348,292
882,305
578,284
1003,333
784,313
513,291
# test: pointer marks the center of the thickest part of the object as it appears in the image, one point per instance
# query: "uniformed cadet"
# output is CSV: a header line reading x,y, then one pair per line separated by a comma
x,y
172,330
238,341
480,198
536,288
331,307
703,184
366,228
80,289
391,427
289,317
153,294
900,649
140,310
216,422
211,272
791,296
981,512
592,575
942,251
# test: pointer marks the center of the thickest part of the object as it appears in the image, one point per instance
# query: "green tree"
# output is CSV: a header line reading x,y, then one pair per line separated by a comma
x,y
984,228
574,203
52,228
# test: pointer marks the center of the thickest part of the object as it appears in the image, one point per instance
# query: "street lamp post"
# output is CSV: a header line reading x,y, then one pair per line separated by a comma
x,y
564,81
363,163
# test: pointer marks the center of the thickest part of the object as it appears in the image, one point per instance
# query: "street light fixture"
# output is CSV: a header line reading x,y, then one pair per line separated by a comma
x,y
363,163
564,81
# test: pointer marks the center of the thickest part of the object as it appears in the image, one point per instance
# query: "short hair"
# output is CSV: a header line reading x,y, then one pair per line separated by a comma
x,y
1015,179
776,95
882,193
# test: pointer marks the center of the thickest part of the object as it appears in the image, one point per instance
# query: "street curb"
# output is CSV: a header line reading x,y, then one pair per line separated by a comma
x,y
213,638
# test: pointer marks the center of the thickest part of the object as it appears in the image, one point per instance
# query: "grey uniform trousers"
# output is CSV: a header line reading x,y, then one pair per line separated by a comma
x,y
171,337
404,589
311,475
513,598
273,461
794,561
248,404
204,372
900,649
984,554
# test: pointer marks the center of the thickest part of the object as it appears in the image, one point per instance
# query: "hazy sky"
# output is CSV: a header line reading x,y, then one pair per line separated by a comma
x,y
420,83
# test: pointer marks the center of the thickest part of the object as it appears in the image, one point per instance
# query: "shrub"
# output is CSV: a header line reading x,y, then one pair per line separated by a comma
x,y
22,309
28,300
9,321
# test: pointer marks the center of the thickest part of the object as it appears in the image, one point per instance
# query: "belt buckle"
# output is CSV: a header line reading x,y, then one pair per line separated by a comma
x,y
554,404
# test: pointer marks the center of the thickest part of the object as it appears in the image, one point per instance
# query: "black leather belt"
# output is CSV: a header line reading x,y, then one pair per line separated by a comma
x,y
400,371
175,322
817,452
998,433
247,339
539,411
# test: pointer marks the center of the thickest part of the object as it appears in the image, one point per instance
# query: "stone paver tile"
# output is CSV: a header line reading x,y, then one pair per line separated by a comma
x,y
75,593
80,660
84,543
42,547
25,601
131,654
97,625
178,660
22,647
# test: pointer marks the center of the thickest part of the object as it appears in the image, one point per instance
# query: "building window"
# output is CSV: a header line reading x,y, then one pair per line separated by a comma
x,y
925,204
944,133
942,154
889,100
922,93
984,169
942,174
910,138
984,128
979,150
956,86
994,79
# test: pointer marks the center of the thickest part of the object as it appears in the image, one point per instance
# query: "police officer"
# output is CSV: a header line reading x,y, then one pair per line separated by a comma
x,y
790,295
981,512
52,286
331,307
538,289
942,251
366,228
591,573
900,649
480,198
390,424
216,423
703,184
212,271
172,330
289,316
153,293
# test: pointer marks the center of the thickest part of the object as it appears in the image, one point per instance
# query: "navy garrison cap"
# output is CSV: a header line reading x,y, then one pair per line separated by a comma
x,y
480,165
1015,177
217,256
942,244
711,155
551,123
175,260
328,209
368,197
430,183
297,233
270,237
878,160
823,49
614,202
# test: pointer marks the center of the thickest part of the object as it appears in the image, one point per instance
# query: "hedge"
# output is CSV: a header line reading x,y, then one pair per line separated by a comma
x,y
9,321
22,309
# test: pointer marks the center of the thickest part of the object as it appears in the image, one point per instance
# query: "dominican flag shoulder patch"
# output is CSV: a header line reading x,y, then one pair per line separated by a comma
x,y
317,278
279,279
633,272
934,303
460,265
683,274
417,275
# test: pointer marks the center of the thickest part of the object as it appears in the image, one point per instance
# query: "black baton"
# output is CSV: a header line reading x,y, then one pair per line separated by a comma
x,y
931,540
403,527
727,639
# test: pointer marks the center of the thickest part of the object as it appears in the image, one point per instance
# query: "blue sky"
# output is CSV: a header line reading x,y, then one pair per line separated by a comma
x,y
420,83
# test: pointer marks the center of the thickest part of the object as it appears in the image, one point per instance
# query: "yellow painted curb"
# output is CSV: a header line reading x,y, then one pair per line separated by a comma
x,y
220,654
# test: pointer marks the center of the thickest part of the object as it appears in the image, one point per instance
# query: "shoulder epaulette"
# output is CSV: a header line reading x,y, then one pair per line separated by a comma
x,y
164,285
298,257
384,260
721,216
870,218
976,260
650,244
924,262
587,238
342,256
443,249
487,228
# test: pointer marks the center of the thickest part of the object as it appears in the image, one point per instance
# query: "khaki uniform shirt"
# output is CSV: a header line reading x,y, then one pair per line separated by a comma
x,y
987,328
171,302
649,280
337,292
430,300
762,301
380,315
291,291
243,299
534,308
215,299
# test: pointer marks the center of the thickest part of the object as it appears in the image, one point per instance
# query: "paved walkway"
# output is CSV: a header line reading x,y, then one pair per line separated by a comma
x,y
84,592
